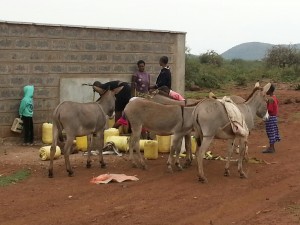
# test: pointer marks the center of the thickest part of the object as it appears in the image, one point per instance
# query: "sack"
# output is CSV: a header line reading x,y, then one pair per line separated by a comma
x,y
17,125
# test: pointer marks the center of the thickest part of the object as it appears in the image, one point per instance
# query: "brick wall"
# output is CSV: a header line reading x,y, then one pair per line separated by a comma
x,y
42,55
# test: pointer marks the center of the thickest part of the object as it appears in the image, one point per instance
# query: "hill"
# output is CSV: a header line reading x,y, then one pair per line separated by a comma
x,y
249,51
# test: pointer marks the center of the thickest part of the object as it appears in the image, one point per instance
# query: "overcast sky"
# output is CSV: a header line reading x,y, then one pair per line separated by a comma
x,y
210,24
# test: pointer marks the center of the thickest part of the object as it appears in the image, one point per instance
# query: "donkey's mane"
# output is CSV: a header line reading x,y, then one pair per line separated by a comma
x,y
254,90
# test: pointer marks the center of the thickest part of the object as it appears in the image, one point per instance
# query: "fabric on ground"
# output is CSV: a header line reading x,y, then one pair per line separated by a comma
x,y
106,178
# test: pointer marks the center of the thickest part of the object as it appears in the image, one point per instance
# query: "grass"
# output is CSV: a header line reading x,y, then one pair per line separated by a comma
x,y
296,116
14,178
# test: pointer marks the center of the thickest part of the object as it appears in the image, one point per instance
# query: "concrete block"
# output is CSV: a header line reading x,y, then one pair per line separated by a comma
x,y
5,42
20,30
104,46
88,33
104,35
59,44
57,68
3,29
90,46
53,56
90,68
87,57
4,69
104,57
55,32
73,68
71,32
104,68
119,68
22,43
135,47
75,45
71,57
120,47
20,68
10,93
39,68
46,92
129,58
41,43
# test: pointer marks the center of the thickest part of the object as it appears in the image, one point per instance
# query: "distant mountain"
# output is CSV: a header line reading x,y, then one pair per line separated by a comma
x,y
249,51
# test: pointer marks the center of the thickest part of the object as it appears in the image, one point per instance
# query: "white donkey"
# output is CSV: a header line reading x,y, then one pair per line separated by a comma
x,y
210,120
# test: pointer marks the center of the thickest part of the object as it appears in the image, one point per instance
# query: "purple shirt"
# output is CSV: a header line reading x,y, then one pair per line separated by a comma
x,y
142,80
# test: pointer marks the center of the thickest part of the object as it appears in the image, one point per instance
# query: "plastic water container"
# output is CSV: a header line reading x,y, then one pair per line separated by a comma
x,y
47,133
111,122
45,152
110,132
193,144
121,142
17,125
151,149
164,143
81,143
142,144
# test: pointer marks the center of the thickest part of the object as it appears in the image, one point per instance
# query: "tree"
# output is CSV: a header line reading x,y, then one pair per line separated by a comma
x,y
282,56
211,57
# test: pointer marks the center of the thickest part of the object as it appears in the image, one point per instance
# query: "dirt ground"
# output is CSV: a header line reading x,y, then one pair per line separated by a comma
x,y
270,195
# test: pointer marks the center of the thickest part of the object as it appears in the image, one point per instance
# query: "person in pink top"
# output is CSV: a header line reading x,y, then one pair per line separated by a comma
x,y
170,93
140,80
271,123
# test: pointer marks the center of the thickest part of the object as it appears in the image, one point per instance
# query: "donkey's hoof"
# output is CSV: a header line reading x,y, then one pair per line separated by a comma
x,y
226,173
103,165
179,167
88,165
144,166
243,175
203,180
50,174
70,173
170,169
187,164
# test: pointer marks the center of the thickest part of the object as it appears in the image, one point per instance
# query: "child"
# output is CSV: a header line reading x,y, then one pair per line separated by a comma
x,y
170,93
271,123
164,77
26,113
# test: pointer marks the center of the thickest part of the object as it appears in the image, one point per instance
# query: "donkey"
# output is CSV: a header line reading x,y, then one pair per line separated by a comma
x,y
79,119
210,120
162,120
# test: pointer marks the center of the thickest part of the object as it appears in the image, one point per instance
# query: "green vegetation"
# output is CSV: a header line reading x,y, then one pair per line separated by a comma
x,y
14,178
210,70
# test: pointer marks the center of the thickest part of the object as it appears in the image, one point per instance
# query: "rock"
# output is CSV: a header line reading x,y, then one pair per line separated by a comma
x,y
194,87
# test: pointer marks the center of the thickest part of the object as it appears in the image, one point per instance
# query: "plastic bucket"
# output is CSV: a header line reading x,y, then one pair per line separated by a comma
x,y
121,142
164,143
142,144
45,152
193,144
110,132
47,133
81,143
151,149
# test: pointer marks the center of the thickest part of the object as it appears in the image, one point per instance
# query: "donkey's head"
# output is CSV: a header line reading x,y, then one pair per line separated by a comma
x,y
107,99
259,99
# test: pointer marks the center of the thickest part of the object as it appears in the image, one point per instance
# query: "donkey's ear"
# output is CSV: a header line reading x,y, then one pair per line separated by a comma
x,y
117,90
266,87
99,90
256,84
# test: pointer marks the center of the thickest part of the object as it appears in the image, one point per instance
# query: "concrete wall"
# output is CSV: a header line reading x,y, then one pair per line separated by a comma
x,y
57,59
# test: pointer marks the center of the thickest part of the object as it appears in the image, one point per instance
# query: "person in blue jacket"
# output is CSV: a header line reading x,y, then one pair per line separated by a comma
x,y
26,114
